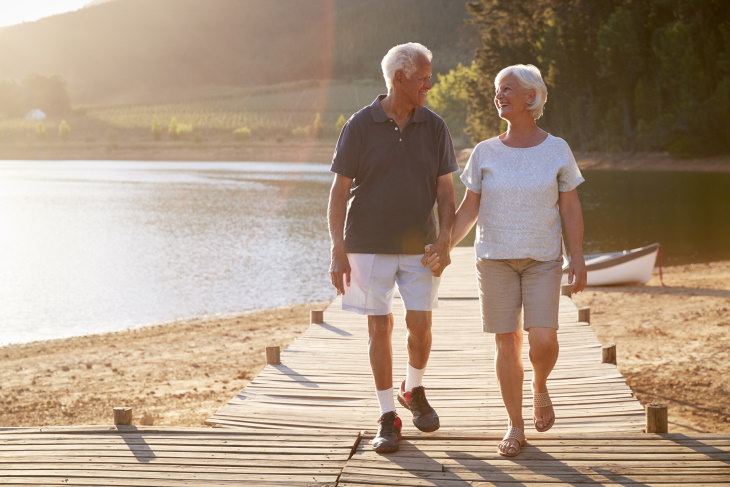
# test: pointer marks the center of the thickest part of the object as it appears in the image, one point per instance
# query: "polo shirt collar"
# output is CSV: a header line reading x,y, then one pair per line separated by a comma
x,y
379,116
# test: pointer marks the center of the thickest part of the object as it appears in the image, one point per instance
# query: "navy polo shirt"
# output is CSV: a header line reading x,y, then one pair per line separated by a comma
x,y
390,208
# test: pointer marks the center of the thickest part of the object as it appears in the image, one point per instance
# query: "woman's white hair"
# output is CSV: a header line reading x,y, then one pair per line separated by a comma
x,y
529,77
404,57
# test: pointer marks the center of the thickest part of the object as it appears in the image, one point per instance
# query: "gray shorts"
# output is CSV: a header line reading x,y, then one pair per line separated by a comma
x,y
508,286
374,277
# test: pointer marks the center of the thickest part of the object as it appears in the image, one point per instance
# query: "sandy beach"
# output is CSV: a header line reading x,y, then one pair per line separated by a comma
x,y
671,343
170,374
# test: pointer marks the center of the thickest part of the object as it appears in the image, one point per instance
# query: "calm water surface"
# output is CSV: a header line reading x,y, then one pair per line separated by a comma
x,y
97,246
89,247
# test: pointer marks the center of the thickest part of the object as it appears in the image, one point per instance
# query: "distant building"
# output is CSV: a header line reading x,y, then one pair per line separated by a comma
x,y
35,114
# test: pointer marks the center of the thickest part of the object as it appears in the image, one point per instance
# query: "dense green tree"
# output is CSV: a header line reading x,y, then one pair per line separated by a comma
x,y
510,34
621,74
449,97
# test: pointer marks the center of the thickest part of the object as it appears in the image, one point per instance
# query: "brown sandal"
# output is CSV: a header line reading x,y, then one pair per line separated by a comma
x,y
542,400
518,437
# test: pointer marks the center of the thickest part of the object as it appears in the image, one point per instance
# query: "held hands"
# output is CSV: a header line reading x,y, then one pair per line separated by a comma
x,y
339,269
436,257
577,272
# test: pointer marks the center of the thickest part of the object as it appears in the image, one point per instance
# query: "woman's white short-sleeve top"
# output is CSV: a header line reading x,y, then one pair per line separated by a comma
x,y
518,209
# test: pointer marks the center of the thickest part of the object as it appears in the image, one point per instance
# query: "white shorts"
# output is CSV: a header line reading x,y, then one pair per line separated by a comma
x,y
372,281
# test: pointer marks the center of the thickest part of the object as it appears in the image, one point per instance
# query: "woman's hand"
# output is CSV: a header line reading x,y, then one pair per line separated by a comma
x,y
577,272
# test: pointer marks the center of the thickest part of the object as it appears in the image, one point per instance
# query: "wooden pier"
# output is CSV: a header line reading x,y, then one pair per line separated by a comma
x,y
308,420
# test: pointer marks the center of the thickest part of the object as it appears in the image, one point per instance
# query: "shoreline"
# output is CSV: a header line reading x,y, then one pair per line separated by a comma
x,y
670,347
637,161
316,151
176,373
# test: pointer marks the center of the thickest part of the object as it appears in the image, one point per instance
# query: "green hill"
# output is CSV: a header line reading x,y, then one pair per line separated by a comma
x,y
131,51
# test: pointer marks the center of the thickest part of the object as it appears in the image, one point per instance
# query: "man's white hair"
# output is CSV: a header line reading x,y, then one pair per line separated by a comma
x,y
403,57
529,77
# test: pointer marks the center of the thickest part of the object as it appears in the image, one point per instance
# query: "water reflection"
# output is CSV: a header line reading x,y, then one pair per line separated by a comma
x,y
686,212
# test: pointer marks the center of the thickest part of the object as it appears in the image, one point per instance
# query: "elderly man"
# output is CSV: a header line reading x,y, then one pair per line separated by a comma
x,y
393,161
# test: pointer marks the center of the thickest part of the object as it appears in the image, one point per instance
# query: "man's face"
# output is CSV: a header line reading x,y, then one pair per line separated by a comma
x,y
415,88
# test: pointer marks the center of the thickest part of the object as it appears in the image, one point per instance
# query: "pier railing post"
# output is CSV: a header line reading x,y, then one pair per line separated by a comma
x,y
566,290
123,416
584,314
316,316
273,355
657,418
609,354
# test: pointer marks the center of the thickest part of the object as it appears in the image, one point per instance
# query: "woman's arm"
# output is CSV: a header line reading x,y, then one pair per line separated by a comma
x,y
465,218
571,214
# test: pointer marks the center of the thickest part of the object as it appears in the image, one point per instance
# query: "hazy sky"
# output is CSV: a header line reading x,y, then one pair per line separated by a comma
x,y
18,11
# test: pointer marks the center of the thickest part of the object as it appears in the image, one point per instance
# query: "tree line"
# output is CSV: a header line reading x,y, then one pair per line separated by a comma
x,y
621,74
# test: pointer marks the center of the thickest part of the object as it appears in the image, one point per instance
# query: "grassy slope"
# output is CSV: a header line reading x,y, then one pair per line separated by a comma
x,y
157,50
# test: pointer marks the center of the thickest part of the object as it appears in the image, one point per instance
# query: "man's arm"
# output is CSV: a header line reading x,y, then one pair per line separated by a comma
x,y
446,210
572,215
336,212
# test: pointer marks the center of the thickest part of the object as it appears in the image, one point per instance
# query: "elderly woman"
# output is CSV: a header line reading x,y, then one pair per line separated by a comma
x,y
520,185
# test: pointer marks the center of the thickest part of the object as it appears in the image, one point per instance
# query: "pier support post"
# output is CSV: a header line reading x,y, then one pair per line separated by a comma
x,y
584,314
273,355
122,416
656,418
566,290
609,354
316,316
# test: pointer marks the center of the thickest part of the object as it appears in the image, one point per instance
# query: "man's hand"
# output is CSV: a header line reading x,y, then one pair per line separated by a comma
x,y
577,271
339,269
436,258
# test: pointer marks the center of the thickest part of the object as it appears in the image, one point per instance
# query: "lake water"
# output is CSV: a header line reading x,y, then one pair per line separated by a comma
x,y
98,246
88,247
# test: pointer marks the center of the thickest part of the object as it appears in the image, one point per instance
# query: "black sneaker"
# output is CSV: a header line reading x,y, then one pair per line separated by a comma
x,y
386,441
424,417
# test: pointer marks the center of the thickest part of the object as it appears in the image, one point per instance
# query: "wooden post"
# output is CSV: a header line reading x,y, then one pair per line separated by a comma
x,y
316,316
609,354
273,355
584,314
566,290
122,416
656,418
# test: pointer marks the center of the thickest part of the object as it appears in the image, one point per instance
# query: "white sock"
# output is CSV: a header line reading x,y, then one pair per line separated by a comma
x,y
386,401
414,377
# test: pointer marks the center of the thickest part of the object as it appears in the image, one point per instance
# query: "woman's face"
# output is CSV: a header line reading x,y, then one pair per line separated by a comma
x,y
512,99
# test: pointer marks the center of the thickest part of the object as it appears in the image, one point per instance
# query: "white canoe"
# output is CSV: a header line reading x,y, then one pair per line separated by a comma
x,y
633,266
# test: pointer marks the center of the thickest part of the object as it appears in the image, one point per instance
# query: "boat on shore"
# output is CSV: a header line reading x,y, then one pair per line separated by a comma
x,y
633,266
